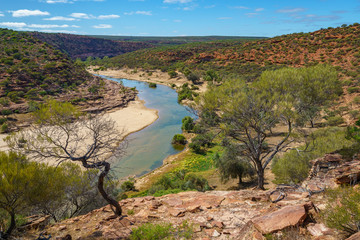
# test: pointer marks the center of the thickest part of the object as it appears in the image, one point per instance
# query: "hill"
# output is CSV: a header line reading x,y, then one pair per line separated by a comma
x,y
77,46
159,41
335,46
32,70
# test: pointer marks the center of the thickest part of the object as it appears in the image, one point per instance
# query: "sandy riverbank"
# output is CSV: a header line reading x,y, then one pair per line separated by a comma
x,y
154,76
130,119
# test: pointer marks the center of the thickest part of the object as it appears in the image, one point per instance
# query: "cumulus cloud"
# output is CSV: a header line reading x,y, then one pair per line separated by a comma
x,y
102,26
27,13
60,18
111,16
177,1
13,24
32,26
81,15
51,26
148,13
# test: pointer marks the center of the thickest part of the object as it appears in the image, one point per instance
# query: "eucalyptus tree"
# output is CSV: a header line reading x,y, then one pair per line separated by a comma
x,y
62,133
247,112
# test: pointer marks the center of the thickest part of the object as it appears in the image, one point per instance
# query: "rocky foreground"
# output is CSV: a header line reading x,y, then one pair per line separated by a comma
x,y
247,214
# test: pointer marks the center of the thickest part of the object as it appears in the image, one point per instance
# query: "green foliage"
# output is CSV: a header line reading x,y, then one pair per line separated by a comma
x,y
179,139
343,209
187,124
173,74
94,89
201,141
128,186
185,93
198,163
152,85
232,164
294,166
178,181
150,231
4,128
335,121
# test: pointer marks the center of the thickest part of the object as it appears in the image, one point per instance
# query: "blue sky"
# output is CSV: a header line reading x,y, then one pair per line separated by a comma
x,y
177,17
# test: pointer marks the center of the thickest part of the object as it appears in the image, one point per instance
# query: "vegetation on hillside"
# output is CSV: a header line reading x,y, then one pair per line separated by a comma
x,y
31,69
334,46
77,46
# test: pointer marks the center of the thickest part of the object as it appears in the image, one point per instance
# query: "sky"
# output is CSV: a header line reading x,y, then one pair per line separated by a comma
x,y
267,18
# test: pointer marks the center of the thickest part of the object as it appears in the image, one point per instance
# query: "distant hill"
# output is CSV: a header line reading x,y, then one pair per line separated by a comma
x,y
335,46
159,41
32,70
77,46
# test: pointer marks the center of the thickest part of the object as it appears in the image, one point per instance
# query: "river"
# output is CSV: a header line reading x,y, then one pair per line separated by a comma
x,y
148,147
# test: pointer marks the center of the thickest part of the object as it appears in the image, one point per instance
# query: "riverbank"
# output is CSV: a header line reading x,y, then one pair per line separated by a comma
x,y
153,76
132,118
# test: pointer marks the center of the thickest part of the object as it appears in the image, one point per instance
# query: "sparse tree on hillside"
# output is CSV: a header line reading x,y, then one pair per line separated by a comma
x,y
62,133
248,112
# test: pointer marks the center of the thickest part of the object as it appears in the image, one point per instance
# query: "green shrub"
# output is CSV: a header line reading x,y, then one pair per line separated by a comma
x,y
201,141
6,112
4,128
353,89
173,74
294,166
128,186
150,231
335,121
187,124
152,85
343,209
179,139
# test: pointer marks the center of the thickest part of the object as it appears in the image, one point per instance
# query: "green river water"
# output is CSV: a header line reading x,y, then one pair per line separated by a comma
x,y
148,148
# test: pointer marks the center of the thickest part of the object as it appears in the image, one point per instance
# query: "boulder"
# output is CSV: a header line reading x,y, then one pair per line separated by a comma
x,y
319,229
355,236
275,221
348,173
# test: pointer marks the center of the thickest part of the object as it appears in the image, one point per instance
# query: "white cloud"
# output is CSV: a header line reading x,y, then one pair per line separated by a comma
x,y
1,14
13,24
111,16
102,26
81,15
291,10
51,26
177,1
60,18
58,1
259,9
27,13
147,13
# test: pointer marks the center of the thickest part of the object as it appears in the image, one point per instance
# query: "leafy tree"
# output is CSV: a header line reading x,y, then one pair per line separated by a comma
x,y
248,112
247,116
61,133
232,164
18,183
187,124
307,89
179,139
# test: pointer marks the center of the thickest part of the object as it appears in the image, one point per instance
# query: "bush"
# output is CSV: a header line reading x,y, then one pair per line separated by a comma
x,y
152,85
150,231
353,89
343,209
4,128
335,121
201,141
128,186
173,74
179,139
294,166
187,124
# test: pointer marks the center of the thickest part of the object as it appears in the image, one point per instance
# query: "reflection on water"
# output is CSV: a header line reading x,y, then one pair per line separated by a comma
x,y
149,147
